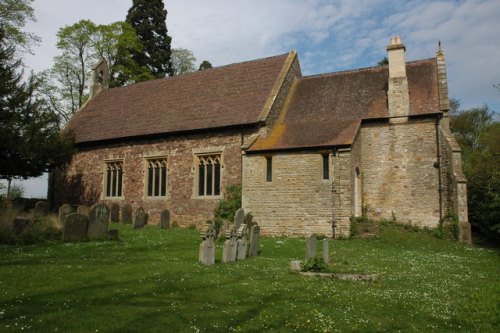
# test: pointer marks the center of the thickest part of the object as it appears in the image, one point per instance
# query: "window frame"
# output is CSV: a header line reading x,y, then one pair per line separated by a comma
x,y
325,159
204,171
116,180
161,163
269,169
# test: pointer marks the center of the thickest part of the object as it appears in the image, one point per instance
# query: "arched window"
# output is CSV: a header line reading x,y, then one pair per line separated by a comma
x,y
113,179
209,175
156,177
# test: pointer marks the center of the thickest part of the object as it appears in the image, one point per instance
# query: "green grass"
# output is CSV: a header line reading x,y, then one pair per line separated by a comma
x,y
150,281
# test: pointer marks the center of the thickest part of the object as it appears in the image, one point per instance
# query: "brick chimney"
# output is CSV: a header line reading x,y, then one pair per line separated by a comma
x,y
100,77
398,96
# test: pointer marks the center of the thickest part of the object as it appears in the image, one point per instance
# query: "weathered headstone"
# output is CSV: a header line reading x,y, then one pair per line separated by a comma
x,y
98,221
254,241
311,246
84,210
207,246
64,210
41,208
239,218
165,219
326,251
127,214
141,218
115,212
241,251
230,246
75,227
21,224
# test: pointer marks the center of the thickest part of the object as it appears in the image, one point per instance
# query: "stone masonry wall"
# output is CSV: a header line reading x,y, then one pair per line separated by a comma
x,y
83,181
399,175
297,202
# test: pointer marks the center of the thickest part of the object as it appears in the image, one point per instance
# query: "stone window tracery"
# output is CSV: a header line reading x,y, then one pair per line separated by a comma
x,y
156,177
209,175
114,179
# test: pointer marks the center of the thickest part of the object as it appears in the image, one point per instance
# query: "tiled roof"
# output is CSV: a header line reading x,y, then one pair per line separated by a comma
x,y
327,110
219,97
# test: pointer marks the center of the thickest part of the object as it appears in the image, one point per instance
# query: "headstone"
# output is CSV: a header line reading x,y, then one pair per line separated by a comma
x,y
239,218
165,219
64,210
141,218
41,208
311,246
84,210
112,234
230,246
241,251
127,214
254,241
98,221
75,227
115,212
296,265
21,224
326,251
207,246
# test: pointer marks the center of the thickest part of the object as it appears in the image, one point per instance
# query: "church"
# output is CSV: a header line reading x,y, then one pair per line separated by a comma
x,y
309,152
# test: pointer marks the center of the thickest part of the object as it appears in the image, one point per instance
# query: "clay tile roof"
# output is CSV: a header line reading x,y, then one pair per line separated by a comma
x,y
327,110
219,97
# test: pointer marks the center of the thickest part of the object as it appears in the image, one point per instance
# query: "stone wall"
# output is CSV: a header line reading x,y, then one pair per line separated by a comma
x,y
297,202
400,176
83,183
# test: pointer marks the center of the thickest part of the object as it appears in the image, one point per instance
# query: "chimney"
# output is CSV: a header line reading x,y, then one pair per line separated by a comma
x,y
444,102
100,77
398,95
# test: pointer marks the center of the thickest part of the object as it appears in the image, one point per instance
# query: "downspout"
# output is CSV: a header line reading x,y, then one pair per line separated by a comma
x,y
334,223
439,167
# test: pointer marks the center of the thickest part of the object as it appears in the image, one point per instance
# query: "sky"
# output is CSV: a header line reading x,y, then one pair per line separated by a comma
x,y
329,36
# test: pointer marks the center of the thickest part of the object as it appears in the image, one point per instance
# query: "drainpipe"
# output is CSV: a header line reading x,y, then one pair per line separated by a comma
x,y
439,167
334,223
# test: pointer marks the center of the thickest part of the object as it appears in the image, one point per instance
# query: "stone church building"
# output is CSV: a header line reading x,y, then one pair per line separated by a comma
x,y
308,151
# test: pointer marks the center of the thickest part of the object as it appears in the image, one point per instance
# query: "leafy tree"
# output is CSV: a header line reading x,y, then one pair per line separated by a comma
x,y
384,61
183,61
148,18
205,65
30,138
478,132
14,14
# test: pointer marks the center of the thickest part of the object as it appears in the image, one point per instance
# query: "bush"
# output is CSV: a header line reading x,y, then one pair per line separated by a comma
x,y
313,265
227,207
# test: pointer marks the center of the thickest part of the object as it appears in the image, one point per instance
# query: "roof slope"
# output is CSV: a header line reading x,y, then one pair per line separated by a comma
x,y
327,110
219,97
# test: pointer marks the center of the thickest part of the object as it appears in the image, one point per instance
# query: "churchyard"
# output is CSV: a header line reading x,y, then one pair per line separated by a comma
x,y
150,279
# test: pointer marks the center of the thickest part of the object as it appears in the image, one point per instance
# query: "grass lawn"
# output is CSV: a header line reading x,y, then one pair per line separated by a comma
x,y
150,281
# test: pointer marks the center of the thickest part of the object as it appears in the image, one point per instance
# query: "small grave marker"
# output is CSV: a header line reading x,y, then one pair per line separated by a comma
x,y
115,212
165,219
98,221
207,246
141,218
253,250
75,227
311,246
127,214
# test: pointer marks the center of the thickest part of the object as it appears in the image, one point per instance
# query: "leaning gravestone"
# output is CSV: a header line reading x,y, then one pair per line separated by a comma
x,y
241,251
207,246
230,246
165,219
64,211
239,218
115,212
41,208
254,241
75,227
326,251
127,214
311,246
98,221
84,210
141,218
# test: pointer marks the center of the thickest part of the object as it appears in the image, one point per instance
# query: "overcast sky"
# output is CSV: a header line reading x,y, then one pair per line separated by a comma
x,y
329,35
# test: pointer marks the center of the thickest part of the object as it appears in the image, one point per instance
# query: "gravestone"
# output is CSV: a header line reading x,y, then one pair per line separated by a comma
x,y
165,219
253,250
98,221
75,227
84,210
230,246
241,251
127,214
207,246
311,246
115,212
64,211
41,208
223,230
141,218
21,224
326,251
239,218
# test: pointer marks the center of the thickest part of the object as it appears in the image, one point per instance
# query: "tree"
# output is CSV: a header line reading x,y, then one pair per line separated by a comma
x,y
14,14
148,18
478,132
384,61
182,61
30,139
205,65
